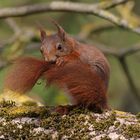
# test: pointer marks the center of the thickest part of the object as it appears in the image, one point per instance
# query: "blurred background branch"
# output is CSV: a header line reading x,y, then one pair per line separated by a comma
x,y
58,6
95,9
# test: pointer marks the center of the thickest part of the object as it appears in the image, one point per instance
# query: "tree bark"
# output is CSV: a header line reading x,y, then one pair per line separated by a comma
x,y
34,122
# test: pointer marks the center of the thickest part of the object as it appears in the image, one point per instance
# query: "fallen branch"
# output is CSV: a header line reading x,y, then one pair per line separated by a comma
x,y
33,122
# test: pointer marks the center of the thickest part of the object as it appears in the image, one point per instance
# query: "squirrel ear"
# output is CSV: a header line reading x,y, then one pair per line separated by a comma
x,y
43,35
61,32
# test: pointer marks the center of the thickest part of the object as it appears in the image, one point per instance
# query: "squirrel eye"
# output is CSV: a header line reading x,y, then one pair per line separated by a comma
x,y
59,47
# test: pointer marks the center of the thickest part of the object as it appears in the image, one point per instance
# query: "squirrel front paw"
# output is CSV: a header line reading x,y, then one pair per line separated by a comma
x,y
61,61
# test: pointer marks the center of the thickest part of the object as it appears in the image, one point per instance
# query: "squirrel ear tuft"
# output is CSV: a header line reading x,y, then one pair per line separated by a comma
x,y
43,35
61,32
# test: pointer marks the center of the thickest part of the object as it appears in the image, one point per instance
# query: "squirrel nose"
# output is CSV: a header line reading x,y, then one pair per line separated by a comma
x,y
52,59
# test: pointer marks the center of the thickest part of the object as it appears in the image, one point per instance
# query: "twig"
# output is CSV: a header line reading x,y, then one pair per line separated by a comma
x,y
129,78
3,64
102,28
16,29
111,4
13,25
122,52
129,51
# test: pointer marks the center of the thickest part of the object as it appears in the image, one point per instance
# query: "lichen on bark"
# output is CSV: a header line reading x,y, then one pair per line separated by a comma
x,y
30,121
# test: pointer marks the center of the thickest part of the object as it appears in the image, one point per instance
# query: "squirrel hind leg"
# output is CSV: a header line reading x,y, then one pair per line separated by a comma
x,y
98,107
63,110
95,108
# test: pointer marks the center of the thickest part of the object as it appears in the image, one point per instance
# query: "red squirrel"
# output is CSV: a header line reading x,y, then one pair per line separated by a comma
x,y
81,70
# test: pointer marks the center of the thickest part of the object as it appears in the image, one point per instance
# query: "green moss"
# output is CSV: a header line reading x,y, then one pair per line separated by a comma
x,y
76,125
23,111
64,125
105,123
7,104
28,111
12,131
29,103
79,110
138,115
117,124
131,131
77,122
3,112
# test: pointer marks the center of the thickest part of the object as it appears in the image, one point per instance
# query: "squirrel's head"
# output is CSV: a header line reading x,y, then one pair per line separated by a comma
x,y
57,45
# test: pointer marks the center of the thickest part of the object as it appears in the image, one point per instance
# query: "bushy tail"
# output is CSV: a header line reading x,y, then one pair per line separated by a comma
x,y
24,74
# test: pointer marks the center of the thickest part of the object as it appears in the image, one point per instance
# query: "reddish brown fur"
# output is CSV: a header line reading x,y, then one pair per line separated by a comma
x,y
24,74
84,86
84,73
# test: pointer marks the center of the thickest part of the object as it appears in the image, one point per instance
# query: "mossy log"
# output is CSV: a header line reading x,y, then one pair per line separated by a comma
x,y
42,123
